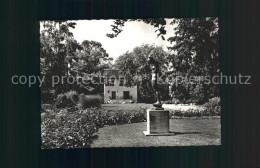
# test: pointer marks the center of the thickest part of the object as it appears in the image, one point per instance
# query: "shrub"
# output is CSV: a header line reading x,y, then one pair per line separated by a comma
x,y
68,130
189,113
213,106
45,107
173,101
62,101
67,99
87,101
168,102
215,101
126,117
195,112
63,129
73,96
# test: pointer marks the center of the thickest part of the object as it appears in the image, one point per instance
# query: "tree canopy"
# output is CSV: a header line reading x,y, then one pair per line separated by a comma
x,y
138,72
62,55
194,52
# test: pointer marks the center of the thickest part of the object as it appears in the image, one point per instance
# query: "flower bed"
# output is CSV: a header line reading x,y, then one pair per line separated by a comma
x,y
68,128
74,128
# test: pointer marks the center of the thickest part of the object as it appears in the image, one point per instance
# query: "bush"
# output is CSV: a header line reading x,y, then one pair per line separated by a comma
x,y
189,113
63,129
73,96
62,101
68,130
67,99
195,112
126,117
215,101
168,102
173,101
87,101
213,106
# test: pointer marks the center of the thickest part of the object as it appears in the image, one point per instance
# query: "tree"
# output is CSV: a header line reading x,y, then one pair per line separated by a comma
x,y
56,42
93,58
194,53
63,56
159,24
88,62
138,72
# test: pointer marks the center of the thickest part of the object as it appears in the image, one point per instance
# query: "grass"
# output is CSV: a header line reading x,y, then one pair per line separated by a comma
x,y
143,105
120,107
188,132
71,127
176,111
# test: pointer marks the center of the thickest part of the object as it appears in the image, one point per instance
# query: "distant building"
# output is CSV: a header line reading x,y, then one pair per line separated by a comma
x,y
115,89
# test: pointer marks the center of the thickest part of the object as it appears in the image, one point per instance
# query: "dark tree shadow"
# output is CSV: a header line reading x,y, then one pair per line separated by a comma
x,y
171,133
91,140
182,133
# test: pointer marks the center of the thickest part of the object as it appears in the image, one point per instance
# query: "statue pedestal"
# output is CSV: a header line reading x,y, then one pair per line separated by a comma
x,y
157,122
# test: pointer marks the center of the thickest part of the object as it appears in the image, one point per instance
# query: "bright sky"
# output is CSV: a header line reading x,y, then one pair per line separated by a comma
x,y
134,34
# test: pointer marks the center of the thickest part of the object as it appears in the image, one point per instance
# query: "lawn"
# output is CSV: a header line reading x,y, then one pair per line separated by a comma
x,y
77,128
120,107
188,132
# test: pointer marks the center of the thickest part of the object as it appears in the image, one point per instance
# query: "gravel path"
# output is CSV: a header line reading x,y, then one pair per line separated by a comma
x,y
188,132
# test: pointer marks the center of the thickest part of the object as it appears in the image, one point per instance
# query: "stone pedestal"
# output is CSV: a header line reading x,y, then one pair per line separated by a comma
x,y
157,122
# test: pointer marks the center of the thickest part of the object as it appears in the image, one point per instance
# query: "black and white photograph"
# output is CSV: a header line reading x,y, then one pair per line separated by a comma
x,y
130,83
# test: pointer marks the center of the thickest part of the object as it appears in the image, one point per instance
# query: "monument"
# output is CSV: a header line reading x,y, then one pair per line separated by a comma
x,y
157,117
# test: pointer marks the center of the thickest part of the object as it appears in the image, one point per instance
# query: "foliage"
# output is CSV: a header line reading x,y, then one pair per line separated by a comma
x,y
159,24
76,129
172,101
73,96
56,42
46,97
126,117
66,128
138,72
213,105
194,52
63,129
215,101
86,64
195,112
87,101
73,99
61,55
67,99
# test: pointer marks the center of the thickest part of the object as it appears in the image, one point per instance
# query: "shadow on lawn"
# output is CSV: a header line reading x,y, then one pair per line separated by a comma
x,y
91,140
181,133
171,133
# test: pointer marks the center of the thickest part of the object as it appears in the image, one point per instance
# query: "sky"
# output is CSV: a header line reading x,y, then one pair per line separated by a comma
x,y
134,34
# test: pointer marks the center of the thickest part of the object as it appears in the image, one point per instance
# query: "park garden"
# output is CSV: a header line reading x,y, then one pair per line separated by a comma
x,y
73,113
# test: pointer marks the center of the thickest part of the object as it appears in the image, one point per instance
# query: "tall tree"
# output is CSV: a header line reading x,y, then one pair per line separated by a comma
x,y
93,58
88,63
56,42
194,52
138,72
159,24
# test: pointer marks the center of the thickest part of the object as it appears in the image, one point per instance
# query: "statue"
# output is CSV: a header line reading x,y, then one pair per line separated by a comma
x,y
157,117
155,73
